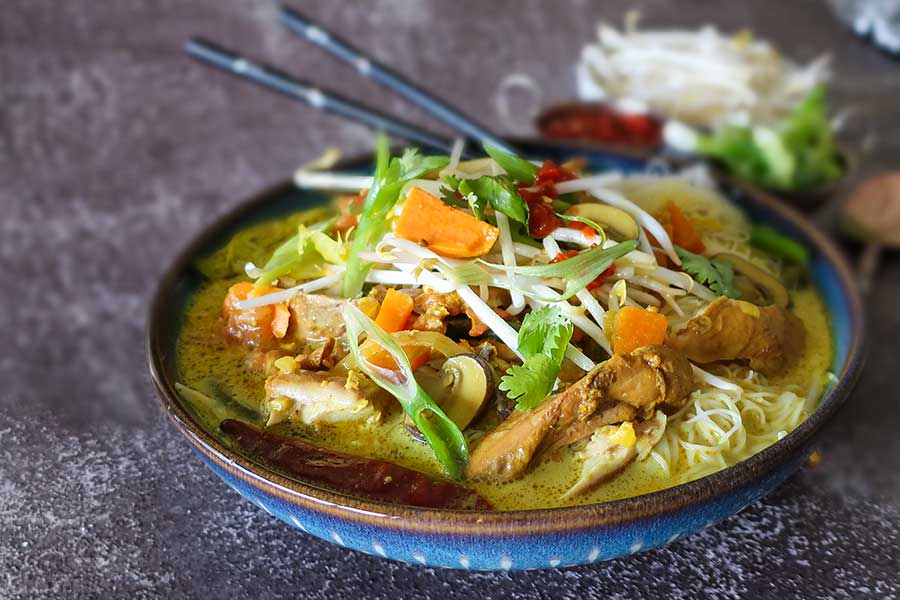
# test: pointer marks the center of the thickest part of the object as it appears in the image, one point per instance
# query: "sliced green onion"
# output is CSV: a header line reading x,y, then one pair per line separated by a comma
x,y
369,227
468,273
443,435
579,270
766,238
391,175
517,168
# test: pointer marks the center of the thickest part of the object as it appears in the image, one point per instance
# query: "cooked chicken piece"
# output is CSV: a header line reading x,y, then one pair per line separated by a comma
x,y
770,337
649,433
612,448
321,359
432,308
616,413
623,388
505,452
317,398
647,377
316,317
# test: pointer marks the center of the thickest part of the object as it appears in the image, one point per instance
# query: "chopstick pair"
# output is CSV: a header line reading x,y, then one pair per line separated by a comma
x,y
267,76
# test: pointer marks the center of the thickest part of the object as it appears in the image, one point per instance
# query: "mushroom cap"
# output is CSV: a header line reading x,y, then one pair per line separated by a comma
x,y
462,388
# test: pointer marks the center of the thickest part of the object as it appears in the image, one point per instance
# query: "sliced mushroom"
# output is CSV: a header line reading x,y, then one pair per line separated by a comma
x,y
755,284
617,223
462,388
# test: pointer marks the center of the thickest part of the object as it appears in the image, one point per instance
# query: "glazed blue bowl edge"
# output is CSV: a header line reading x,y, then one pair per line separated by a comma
x,y
519,539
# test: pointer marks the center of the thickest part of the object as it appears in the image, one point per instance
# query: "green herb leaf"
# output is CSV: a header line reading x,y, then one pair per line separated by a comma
x,y
545,331
390,177
518,168
502,197
413,164
442,434
797,153
528,384
717,274
579,270
543,339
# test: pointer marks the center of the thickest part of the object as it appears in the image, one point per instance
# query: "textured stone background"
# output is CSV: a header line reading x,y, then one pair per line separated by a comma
x,y
115,149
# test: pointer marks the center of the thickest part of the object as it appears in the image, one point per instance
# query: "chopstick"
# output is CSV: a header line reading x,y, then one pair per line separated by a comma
x,y
378,72
273,79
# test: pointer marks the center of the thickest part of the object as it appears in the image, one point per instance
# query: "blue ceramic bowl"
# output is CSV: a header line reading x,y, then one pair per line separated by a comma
x,y
520,539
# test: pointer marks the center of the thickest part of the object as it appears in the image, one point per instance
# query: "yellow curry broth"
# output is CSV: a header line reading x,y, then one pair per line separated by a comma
x,y
210,364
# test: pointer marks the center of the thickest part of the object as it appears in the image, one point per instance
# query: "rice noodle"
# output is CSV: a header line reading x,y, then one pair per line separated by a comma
x,y
719,427
713,380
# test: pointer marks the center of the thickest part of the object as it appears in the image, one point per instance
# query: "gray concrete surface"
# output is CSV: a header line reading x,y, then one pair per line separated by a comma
x,y
115,149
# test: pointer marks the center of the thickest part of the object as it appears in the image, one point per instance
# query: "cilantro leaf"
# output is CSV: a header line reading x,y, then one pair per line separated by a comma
x,y
413,165
530,383
716,273
545,331
543,339
486,190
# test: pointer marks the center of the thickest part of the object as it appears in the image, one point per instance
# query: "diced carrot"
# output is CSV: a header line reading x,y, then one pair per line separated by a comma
x,y
378,356
395,311
281,320
350,207
636,327
345,223
259,326
446,230
683,232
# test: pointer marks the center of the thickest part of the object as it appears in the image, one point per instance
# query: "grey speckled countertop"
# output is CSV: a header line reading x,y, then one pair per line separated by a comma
x,y
115,149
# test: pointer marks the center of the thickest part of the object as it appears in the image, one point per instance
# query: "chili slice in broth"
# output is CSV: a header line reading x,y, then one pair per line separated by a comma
x,y
353,475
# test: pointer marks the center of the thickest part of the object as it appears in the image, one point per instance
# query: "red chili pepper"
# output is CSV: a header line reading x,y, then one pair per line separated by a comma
x,y
550,172
600,123
541,218
353,475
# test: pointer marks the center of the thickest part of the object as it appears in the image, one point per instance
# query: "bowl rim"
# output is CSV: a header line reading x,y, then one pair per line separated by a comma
x,y
516,522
